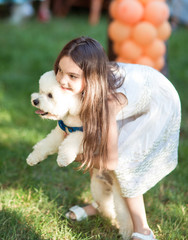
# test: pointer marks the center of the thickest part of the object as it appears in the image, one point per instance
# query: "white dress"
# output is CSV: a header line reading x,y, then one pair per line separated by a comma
x,y
148,129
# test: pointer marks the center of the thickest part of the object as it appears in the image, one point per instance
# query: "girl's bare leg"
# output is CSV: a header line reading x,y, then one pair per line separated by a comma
x,y
44,11
138,214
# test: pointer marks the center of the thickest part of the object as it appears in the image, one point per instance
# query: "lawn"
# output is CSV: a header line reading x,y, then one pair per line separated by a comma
x,y
34,200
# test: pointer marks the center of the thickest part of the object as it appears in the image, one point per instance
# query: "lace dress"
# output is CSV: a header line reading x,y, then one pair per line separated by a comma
x,y
148,129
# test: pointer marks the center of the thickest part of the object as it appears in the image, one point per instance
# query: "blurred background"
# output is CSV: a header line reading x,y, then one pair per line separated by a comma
x,y
34,200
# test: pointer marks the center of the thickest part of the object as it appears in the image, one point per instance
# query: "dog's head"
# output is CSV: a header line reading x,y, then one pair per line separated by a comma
x,y
51,102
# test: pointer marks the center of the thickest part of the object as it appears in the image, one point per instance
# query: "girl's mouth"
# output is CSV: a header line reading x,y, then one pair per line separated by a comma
x,y
66,88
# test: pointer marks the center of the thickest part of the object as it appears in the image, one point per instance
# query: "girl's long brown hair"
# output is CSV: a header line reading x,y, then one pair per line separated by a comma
x,y
90,56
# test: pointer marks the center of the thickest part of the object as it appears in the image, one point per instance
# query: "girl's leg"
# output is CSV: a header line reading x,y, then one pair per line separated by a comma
x,y
44,11
138,214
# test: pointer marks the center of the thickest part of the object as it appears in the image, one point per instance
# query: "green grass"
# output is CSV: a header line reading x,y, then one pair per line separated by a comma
x,y
34,200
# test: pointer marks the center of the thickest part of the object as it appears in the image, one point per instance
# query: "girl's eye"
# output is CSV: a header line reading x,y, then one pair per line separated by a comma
x,y
72,76
59,70
50,95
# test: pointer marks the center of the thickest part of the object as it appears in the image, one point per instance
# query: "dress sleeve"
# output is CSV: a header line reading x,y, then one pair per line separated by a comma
x,y
137,89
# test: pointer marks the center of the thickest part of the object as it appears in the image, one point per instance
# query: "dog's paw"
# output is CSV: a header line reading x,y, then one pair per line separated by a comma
x,y
32,160
61,163
64,161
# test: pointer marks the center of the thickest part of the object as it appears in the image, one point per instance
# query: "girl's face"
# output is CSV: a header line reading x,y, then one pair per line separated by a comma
x,y
70,76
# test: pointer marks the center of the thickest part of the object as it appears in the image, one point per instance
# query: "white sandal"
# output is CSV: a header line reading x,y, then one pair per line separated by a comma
x,y
79,212
143,237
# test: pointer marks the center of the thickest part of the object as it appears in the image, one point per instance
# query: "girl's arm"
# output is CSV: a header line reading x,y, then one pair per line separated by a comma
x,y
112,144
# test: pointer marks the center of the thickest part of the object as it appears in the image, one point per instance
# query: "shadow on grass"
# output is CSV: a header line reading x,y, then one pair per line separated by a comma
x,y
57,189
16,173
14,227
95,228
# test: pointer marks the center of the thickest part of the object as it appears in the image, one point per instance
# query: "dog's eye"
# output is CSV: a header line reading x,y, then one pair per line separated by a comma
x,y
50,95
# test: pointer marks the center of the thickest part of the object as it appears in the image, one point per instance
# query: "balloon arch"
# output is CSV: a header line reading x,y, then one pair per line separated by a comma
x,y
138,30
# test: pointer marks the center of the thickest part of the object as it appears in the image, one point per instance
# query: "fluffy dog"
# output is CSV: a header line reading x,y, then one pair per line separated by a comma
x,y
106,193
53,104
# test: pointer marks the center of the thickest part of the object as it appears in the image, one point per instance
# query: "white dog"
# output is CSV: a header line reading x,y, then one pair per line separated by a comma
x,y
52,103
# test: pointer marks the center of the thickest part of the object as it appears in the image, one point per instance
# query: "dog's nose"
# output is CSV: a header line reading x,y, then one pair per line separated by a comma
x,y
35,102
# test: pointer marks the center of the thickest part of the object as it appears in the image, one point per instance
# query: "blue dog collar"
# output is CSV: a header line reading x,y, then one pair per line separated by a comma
x,y
70,129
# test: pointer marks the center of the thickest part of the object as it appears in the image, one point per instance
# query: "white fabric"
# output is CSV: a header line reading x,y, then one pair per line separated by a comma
x,y
79,212
95,205
148,129
143,237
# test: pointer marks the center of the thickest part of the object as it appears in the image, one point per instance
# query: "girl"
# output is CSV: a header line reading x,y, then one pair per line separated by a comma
x,y
131,120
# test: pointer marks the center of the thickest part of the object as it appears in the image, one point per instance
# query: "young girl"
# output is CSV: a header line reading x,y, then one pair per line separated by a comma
x,y
131,120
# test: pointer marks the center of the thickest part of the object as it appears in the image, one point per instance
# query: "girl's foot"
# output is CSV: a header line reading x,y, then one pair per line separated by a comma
x,y
89,210
146,234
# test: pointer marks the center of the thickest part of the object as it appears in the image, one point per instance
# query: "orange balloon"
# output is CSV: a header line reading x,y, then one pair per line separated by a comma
x,y
159,63
113,9
144,60
130,12
164,31
156,12
156,49
123,60
116,48
144,33
144,2
130,50
118,32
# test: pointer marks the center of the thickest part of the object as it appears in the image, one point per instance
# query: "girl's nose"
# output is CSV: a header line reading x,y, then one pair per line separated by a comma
x,y
64,80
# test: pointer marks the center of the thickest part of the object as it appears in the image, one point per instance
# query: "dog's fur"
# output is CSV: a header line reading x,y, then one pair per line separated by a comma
x,y
106,193
52,103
